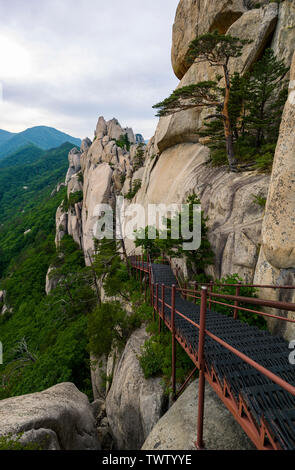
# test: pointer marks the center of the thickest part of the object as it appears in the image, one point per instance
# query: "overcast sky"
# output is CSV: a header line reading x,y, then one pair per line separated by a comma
x,y
63,63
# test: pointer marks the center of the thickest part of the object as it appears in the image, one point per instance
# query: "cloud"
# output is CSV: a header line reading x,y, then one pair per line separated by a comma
x,y
67,62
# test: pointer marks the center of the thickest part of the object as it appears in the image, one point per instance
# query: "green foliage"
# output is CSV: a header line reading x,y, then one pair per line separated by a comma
x,y
107,326
196,260
136,185
24,156
80,177
44,338
14,246
40,177
155,358
203,94
249,318
215,48
256,105
259,200
138,161
10,442
265,100
53,326
73,199
124,142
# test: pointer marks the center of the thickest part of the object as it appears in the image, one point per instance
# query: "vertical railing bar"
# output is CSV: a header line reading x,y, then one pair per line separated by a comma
x,y
236,310
173,342
163,303
204,294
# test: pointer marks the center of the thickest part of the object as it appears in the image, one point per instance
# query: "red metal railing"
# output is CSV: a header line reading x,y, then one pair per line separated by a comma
x,y
207,296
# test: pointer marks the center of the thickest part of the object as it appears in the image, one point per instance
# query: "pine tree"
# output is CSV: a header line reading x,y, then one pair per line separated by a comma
x,y
264,101
216,49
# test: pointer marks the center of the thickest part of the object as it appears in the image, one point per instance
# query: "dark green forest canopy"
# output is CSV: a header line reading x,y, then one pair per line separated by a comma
x,y
53,330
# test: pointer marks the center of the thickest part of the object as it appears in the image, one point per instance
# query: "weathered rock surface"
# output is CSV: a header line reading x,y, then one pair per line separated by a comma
x,y
51,280
276,264
134,404
74,163
3,307
97,190
257,26
59,418
284,37
195,17
177,429
234,219
266,274
61,222
98,369
279,220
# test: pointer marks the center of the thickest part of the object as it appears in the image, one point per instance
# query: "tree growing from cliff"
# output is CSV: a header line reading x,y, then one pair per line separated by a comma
x,y
256,104
265,99
216,49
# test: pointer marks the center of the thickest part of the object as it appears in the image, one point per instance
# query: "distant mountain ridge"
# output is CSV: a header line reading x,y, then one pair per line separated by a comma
x,y
42,136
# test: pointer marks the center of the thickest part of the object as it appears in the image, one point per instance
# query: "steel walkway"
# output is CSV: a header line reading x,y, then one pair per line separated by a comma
x,y
264,409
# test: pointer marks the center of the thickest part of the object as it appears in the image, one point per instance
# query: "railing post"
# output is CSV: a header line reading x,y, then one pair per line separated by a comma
x,y
236,310
141,267
157,298
173,342
145,287
153,300
211,290
150,284
163,306
196,292
204,294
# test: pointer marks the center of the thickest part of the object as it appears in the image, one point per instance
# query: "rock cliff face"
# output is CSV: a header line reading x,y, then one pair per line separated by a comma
x,y
180,166
100,170
134,404
257,244
277,256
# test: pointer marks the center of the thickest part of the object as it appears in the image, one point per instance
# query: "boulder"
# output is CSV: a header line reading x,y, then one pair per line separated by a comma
x,y
194,18
59,418
177,429
134,404
278,232
256,25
